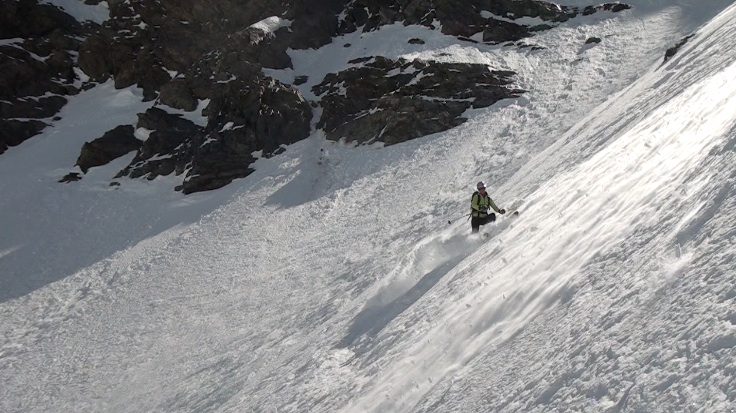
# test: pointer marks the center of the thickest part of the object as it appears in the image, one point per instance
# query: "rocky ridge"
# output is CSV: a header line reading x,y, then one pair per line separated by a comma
x,y
212,54
38,44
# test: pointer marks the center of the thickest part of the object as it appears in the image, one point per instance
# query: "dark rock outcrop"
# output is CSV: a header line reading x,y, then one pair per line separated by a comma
x,y
672,51
260,116
495,19
177,94
173,35
112,145
394,101
161,153
457,18
70,177
36,66
612,7
14,132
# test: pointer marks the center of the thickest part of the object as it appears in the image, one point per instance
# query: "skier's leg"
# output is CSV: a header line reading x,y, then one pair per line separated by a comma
x,y
475,224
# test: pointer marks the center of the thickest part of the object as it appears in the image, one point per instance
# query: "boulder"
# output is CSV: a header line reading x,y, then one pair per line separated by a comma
x,y
588,10
112,145
14,132
70,177
672,51
162,152
177,94
94,58
498,31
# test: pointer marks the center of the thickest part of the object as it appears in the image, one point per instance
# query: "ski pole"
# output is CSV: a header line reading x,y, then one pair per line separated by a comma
x,y
451,220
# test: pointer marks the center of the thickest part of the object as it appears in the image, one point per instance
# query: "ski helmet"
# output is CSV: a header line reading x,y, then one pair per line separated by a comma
x,y
480,185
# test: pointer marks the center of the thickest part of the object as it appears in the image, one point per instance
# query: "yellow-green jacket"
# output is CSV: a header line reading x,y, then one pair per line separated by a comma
x,y
479,205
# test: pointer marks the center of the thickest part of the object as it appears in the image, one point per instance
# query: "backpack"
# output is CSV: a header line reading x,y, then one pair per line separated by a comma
x,y
472,211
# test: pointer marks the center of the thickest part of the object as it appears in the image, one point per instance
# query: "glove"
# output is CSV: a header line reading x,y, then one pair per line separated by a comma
x,y
502,211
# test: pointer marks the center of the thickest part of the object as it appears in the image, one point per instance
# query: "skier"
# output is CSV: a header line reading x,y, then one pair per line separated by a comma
x,y
479,204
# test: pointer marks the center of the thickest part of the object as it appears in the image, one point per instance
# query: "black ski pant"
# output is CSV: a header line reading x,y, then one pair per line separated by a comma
x,y
476,222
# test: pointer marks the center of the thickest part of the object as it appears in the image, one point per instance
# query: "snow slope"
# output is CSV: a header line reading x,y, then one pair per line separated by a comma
x,y
81,11
329,280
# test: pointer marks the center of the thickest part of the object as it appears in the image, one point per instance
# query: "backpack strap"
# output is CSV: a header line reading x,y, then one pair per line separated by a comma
x,y
472,198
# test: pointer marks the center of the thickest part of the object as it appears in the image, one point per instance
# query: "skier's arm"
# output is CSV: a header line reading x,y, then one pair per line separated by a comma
x,y
495,208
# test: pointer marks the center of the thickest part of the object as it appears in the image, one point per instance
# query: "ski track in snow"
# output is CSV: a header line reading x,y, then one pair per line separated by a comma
x,y
329,279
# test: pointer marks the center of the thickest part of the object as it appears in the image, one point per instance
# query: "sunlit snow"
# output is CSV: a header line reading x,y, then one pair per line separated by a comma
x,y
271,24
78,9
330,280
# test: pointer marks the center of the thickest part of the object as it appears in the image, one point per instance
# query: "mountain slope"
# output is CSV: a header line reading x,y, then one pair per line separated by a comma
x,y
329,280
655,205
